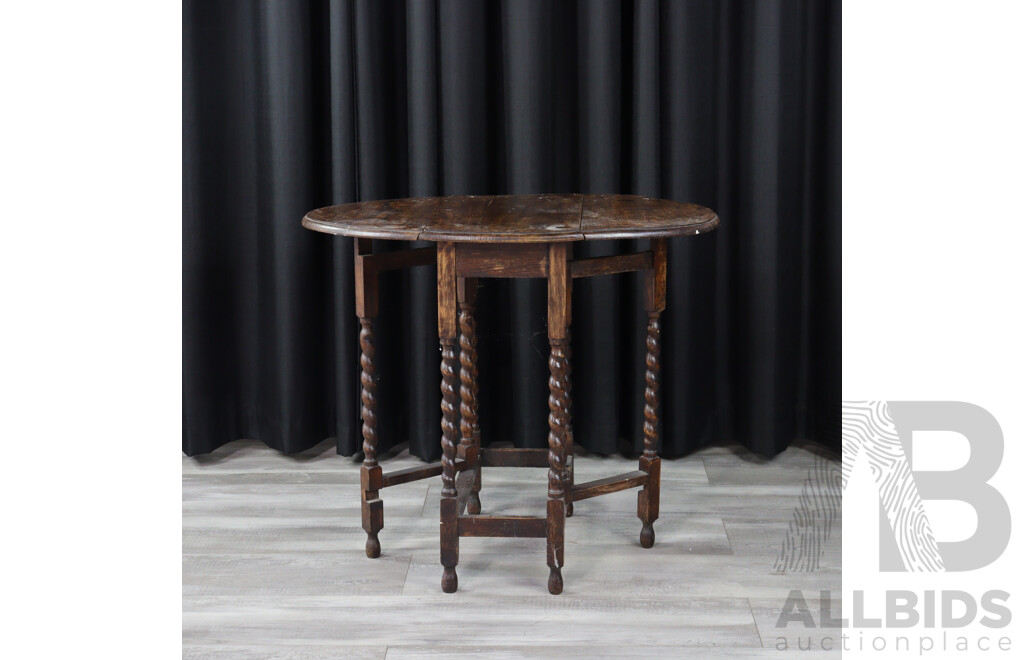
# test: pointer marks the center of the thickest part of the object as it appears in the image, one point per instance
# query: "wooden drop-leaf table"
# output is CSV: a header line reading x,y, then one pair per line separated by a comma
x,y
507,236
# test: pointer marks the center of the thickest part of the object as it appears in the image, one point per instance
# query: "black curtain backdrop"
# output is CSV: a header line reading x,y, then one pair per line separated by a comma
x,y
289,106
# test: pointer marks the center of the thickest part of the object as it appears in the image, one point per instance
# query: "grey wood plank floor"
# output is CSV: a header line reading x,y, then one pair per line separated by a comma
x,y
273,563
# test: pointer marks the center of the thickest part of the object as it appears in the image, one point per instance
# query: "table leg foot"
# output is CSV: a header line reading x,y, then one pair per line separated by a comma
x,y
449,580
372,546
555,581
647,536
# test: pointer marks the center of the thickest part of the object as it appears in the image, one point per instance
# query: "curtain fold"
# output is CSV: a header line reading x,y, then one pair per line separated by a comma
x,y
292,106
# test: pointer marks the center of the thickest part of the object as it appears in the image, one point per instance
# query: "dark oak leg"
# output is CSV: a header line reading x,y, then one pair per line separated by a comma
x,y
558,405
446,324
470,445
370,474
370,477
649,498
570,449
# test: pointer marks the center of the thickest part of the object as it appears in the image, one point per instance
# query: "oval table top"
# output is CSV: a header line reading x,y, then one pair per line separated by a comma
x,y
542,218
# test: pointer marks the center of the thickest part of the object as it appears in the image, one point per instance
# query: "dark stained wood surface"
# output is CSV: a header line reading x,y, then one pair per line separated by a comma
x,y
469,446
505,219
396,219
447,331
609,485
506,526
545,218
503,260
630,216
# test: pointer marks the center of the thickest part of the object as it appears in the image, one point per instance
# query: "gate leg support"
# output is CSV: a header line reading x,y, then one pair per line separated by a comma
x,y
649,498
470,445
447,331
559,305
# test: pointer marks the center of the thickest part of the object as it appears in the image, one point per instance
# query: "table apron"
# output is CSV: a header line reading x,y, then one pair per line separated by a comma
x,y
502,260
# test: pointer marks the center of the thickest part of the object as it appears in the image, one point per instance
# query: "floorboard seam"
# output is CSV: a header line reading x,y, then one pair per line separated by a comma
x,y
728,539
753,618
426,497
704,469
406,579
